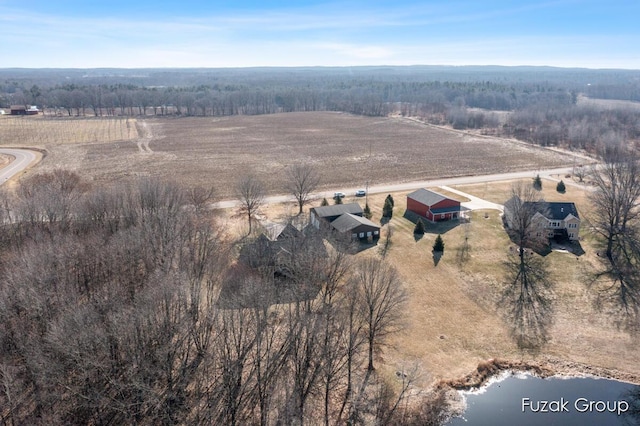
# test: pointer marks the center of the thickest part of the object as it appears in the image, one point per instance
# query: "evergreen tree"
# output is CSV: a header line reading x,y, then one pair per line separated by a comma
x,y
367,211
419,228
537,183
438,246
338,200
390,199
560,187
324,202
387,210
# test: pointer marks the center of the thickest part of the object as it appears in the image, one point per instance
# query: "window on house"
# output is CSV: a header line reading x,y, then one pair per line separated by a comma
x,y
376,232
362,235
369,234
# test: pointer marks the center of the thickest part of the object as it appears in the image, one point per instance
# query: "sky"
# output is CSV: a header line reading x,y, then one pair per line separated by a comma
x,y
188,33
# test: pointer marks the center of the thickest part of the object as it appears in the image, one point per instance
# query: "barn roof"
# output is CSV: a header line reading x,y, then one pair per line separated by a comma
x,y
338,209
347,222
427,197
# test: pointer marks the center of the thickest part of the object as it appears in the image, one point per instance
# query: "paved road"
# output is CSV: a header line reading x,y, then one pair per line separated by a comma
x,y
407,186
22,159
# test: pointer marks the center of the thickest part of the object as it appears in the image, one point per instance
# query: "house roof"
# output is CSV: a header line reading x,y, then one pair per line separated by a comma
x,y
347,222
550,210
338,209
560,211
427,197
289,231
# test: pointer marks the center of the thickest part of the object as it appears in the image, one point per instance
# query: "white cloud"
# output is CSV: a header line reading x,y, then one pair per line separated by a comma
x,y
330,35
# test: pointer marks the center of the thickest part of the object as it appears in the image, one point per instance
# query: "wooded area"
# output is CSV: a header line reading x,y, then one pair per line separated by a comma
x,y
111,314
544,102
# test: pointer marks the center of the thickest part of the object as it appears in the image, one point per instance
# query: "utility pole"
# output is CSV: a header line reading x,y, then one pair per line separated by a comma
x,y
366,193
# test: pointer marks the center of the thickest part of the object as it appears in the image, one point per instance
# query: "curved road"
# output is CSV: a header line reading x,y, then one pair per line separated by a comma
x,y
22,159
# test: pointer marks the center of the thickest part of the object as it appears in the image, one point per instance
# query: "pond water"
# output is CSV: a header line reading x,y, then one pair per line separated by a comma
x,y
526,400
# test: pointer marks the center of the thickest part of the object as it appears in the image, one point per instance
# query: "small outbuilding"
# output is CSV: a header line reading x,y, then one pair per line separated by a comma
x,y
24,110
433,206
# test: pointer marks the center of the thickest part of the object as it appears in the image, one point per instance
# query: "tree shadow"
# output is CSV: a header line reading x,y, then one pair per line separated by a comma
x,y
437,255
417,236
384,220
526,301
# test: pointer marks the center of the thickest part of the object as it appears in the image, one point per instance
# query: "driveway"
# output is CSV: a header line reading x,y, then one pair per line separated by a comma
x,y
475,203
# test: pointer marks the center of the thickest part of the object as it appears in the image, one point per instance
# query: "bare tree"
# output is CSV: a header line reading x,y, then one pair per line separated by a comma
x,y
580,172
616,212
524,228
464,251
199,196
251,193
382,298
526,296
302,180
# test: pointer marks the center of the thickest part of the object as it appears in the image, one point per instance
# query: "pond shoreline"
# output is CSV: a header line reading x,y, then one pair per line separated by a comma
x,y
545,368
496,369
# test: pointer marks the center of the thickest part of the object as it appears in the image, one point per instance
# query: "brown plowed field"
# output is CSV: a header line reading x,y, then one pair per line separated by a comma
x,y
348,150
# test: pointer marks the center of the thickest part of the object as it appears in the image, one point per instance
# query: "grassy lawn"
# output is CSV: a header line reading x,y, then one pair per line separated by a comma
x,y
454,317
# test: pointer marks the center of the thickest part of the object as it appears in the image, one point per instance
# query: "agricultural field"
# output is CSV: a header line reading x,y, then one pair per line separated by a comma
x,y
347,149
49,132
608,104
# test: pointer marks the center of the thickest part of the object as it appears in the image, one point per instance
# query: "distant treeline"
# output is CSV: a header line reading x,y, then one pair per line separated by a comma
x,y
541,100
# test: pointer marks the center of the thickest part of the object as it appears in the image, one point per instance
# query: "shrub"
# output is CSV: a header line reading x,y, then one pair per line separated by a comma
x,y
324,202
560,187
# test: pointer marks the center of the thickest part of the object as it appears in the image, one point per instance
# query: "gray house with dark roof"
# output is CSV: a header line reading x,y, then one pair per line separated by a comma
x,y
327,214
344,219
550,218
357,226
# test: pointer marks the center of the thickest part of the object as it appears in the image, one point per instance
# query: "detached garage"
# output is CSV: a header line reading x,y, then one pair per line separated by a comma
x,y
433,206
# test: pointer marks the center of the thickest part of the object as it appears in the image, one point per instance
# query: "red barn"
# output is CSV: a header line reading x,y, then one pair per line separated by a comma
x,y
432,206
